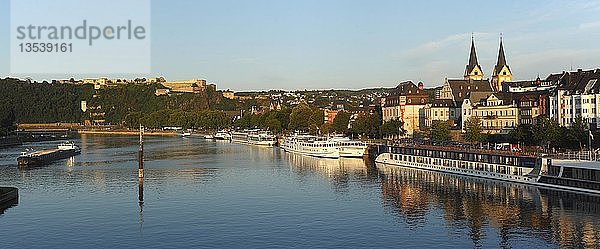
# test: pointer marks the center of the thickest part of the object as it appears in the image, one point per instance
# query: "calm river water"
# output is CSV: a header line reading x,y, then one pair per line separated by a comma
x,y
210,194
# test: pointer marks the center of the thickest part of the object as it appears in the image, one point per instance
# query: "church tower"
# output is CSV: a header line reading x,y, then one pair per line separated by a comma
x,y
501,72
473,70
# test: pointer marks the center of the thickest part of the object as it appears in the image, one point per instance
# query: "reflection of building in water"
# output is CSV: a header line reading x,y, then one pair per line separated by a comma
x,y
567,219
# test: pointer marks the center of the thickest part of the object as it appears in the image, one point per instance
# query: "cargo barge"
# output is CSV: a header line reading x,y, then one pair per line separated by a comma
x,y
41,157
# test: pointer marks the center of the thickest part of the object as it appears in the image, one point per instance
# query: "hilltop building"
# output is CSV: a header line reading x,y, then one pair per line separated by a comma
x,y
186,86
228,94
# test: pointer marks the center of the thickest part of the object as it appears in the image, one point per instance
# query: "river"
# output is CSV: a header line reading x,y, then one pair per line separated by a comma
x,y
206,194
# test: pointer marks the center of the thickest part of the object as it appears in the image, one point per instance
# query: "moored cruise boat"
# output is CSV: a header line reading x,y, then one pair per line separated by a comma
x,y
37,158
254,137
222,136
576,176
326,147
350,148
262,139
239,137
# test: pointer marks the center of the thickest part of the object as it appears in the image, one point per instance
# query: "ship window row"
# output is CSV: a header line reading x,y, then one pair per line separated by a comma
x,y
318,145
467,156
571,183
581,174
518,171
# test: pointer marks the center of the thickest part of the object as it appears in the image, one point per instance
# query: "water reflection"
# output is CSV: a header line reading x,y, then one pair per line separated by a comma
x,y
216,194
341,172
141,201
9,197
514,211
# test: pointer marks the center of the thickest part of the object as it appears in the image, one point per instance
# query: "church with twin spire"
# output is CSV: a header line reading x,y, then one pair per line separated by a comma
x,y
472,90
501,72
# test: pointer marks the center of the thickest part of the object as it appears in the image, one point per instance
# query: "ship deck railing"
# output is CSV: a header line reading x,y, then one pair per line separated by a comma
x,y
469,149
578,155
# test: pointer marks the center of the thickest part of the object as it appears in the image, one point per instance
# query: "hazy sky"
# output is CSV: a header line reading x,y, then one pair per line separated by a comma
x,y
298,44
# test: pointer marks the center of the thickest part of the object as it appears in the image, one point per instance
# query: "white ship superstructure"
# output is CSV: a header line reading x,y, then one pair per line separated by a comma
x,y
254,137
326,147
579,176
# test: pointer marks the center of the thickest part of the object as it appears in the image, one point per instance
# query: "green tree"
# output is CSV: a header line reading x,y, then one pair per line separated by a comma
x,y
326,128
340,122
474,130
317,117
273,125
300,118
367,124
524,134
578,132
7,119
439,131
133,120
546,131
393,127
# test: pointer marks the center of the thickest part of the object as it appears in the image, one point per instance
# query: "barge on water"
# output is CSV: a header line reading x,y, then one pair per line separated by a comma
x,y
579,176
41,157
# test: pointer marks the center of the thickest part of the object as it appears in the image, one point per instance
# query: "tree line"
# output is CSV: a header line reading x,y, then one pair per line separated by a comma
x,y
545,133
309,119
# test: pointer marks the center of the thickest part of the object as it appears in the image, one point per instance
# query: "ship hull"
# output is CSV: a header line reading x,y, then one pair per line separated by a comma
x,y
533,179
38,160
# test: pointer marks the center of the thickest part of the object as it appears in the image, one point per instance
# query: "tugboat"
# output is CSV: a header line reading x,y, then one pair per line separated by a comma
x,y
41,157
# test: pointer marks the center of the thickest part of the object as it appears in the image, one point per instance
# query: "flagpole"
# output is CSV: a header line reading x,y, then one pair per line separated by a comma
x,y
590,137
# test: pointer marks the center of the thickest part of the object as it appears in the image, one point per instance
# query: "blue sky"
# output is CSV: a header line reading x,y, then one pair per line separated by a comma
x,y
309,44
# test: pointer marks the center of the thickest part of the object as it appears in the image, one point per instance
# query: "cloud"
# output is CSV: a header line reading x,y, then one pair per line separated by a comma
x,y
454,40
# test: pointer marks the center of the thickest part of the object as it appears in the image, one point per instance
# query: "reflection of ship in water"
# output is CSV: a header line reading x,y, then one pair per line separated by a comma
x,y
9,197
341,171
566,219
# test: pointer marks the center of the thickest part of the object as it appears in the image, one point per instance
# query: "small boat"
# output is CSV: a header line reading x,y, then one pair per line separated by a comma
x,y
185,134
209,137
41,157
222,136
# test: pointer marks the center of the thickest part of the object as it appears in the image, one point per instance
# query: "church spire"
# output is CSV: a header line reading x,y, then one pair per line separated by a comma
x,y
473,56
473,70
501,57
501,72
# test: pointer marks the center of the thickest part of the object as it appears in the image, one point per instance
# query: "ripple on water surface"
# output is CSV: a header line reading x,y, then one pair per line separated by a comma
x,y
199,193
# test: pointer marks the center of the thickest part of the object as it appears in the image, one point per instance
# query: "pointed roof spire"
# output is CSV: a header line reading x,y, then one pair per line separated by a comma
x,y
473,63
473,56
501,58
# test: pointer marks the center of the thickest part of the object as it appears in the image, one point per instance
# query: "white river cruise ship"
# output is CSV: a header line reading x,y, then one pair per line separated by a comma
x,y
254,137
571,175
326,147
